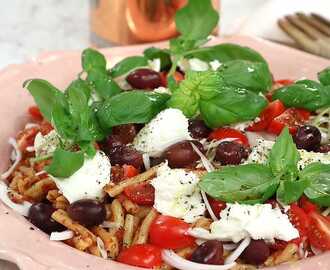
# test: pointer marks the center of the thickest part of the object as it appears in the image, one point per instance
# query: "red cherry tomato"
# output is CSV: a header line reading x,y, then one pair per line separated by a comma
x,y
307,205
217,206
178,76
285,82
292,118
273,109
229,134
170,232
35,113
299,219
45,127
319,233
144,255
130,171
141,194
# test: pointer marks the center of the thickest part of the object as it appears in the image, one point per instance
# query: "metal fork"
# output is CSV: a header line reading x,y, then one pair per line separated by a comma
x,y
311,32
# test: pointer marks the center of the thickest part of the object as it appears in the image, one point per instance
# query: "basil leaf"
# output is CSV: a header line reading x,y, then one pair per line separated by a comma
x,y
65,163
128,64
226,52
305,94
180,45
83,116
92,59
231,105
290,191
131,107
81,85
284,156
163,54
319,176
251,183
196,85
63,122
45,95
88,148
324,76
196,20
104,85
254,76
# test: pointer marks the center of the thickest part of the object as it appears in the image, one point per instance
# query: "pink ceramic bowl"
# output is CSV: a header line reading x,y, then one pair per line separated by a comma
x,y
31,249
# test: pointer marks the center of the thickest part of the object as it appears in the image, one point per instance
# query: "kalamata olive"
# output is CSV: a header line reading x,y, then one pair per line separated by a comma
x,y
126,133
144,78
325,148
231,153
123,154
256,252
198,129
210,252
87,212
40,216
307,137
181,154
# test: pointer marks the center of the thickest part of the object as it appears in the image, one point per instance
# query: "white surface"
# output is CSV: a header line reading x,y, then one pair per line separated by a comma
x,y
33,26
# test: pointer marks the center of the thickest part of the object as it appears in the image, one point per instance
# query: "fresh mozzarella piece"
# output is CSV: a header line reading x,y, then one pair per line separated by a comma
x,y
253,137
47,144
261,151
154,64
177,194
215,64
260,221
168,127
193,64
88,181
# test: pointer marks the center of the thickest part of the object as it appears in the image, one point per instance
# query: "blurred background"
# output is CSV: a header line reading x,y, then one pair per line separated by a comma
x,y
31,27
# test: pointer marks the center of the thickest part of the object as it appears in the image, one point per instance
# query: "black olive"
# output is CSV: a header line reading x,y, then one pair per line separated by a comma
x,y
231,153
87,212
182,154
307,137
198,129
210,252
256,252
144,78
40,216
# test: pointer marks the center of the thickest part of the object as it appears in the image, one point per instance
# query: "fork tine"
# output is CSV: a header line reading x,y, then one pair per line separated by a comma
x,y
305,27
321,19
316,22
300,37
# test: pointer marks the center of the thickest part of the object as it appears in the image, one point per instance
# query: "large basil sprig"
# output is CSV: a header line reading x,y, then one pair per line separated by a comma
x,y
252,183
219,103
306,94
255,183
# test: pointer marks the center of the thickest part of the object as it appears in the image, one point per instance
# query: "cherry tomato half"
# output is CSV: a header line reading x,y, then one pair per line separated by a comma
x,y
141,194
217,206
130,171
273,109
35,113
170,232
292,118
229,134
299,219
307,205
144,255
319,233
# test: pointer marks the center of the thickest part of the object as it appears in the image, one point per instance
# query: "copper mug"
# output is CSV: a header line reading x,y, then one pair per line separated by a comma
x,y
121,22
